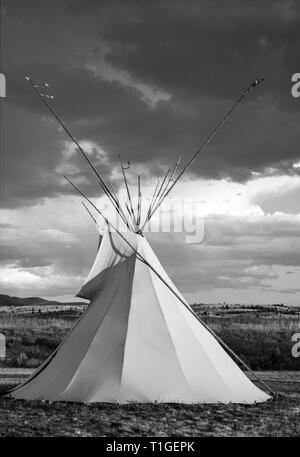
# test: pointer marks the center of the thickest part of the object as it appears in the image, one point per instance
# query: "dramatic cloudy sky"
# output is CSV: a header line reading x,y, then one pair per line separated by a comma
x,y
149,80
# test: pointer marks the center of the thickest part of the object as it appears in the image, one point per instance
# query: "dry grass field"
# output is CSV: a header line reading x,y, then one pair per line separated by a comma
x,y
279,417
262,336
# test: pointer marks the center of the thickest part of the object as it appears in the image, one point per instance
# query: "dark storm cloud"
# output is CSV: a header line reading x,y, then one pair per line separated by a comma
x,y
203,47
33,155
79,94
208,49
202,54
116,117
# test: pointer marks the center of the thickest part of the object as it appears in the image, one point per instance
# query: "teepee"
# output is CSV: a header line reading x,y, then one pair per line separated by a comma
x,y
138,340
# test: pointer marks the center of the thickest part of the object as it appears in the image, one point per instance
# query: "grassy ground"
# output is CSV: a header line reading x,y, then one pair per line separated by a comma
x,y
261,336
279,417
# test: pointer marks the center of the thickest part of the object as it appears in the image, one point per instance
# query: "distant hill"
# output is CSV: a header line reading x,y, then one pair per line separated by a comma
x,y
7,300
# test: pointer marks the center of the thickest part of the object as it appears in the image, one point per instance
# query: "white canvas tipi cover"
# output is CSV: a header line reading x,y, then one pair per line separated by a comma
x,y
137,342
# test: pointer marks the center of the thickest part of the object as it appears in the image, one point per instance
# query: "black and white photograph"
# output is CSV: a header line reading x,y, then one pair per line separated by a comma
x,y
150,222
